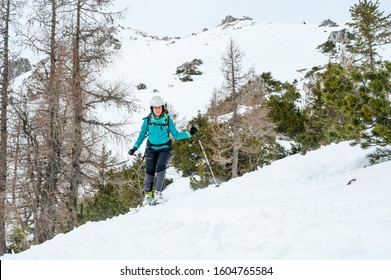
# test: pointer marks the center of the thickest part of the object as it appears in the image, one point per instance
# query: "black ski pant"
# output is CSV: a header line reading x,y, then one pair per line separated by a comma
x,y
156,163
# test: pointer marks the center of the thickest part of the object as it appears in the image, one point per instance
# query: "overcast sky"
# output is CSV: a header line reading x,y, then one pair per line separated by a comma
x,y
183,17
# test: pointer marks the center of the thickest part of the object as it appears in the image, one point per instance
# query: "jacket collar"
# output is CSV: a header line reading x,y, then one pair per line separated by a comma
x,y
161,119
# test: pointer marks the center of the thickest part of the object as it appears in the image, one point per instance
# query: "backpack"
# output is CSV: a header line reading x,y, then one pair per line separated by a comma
x,y
166,124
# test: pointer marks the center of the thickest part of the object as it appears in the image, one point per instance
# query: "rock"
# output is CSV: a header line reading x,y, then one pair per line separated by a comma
x,y
19,67
229,19
328,23
341,36
114,42
141,86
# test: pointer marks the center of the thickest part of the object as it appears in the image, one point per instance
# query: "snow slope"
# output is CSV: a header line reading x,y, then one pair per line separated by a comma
x,y
298,208
280,48
288,51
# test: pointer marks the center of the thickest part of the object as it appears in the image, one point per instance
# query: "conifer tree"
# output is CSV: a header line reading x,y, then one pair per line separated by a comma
x,y
234,78
343,119
325,120
118,189
371,29
283,107
372,95
187,156
240,114
60,130
316,116
349,104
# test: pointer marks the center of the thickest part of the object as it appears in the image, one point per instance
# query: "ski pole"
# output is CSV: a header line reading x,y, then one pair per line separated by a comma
x,y
207,161
138,170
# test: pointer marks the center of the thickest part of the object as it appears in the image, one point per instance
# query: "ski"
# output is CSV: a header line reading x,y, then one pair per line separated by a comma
x,y
157,202
153,203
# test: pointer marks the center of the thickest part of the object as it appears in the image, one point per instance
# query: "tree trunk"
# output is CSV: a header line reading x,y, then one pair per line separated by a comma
x,y
371,56
48,206
3,127
235,134
235,109
76,175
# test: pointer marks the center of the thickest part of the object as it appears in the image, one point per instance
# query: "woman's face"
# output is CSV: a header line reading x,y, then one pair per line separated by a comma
x,y
157,110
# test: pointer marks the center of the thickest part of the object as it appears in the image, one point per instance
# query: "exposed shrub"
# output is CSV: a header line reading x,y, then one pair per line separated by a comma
x,y
186,78
19,240
141,86
327,47
379,156
189,68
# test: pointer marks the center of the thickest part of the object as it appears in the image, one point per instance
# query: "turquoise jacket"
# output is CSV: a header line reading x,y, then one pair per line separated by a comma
x,y
158,131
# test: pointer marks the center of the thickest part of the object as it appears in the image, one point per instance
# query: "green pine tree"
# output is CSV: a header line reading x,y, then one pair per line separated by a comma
x,y
326,119
186,153
316,116
282,104
373,90
343,120
371,29
349,103
116,190
188,157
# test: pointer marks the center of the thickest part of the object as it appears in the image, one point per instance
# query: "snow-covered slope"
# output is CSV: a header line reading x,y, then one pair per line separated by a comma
x,y
286,50
282,49
300,207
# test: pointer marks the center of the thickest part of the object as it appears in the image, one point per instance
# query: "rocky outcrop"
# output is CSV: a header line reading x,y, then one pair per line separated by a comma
x,y
19,67
328,23
115,42
187,69
229,19
340,36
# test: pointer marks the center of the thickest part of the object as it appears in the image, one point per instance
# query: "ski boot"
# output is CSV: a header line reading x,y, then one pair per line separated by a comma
x,y
148,197
157,198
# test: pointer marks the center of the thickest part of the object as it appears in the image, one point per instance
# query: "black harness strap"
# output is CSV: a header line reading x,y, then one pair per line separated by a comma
x,y
169,142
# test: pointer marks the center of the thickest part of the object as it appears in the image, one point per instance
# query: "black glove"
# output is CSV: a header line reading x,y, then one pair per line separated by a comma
x,y
193,130
132,151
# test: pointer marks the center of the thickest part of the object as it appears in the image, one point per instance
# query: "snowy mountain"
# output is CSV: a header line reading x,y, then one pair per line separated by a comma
x,y
300,207
288,51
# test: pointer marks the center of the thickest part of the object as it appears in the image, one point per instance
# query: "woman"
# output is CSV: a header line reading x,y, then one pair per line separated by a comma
x,y
157,126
